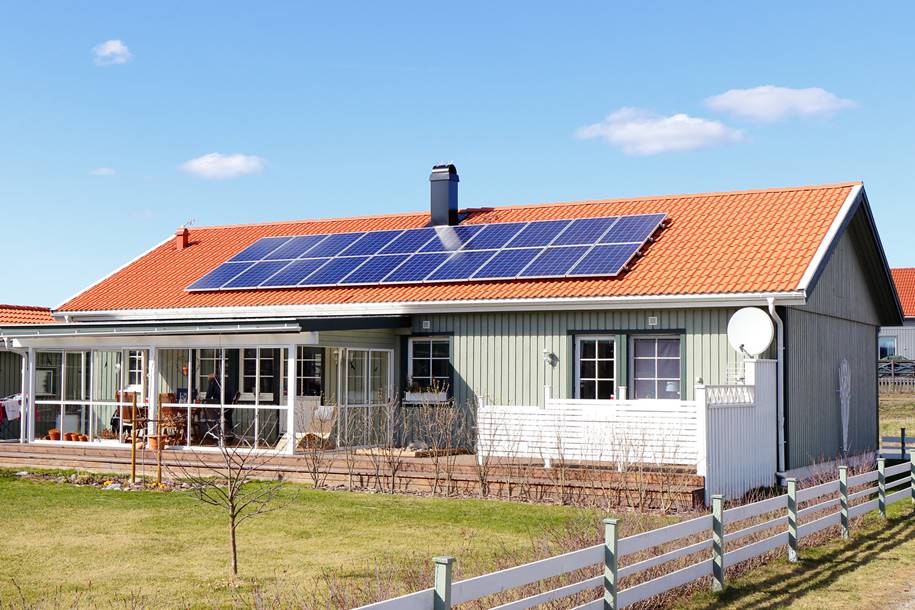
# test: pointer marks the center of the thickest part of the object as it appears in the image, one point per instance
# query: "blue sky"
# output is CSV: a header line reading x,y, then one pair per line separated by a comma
x,y
109,110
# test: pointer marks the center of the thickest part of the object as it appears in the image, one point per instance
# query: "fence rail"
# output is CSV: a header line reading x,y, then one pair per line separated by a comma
x,y
720,532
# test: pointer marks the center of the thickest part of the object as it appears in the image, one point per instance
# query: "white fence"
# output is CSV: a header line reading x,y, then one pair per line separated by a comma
x,y
728,432
715,542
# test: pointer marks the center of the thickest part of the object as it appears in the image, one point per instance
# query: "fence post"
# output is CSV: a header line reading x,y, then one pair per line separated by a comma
x,y
701,432
912,476
902,443
792,518
718,542
881,485
843,499
611,535
442,600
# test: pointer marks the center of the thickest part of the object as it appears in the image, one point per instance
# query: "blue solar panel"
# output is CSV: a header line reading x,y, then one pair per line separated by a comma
x,y
632,229
551,248
494,236
334,271
295,247
584,232
416,268
461,265
449,239
333,245
219,276
255,275
260,249
554,262
375,269
294,272
371,243
410,242
538,233
605,260
506,264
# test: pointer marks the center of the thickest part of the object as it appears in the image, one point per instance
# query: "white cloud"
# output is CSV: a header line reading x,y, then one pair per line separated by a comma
x,y
111,52
218,166
103,171
638,132
771,103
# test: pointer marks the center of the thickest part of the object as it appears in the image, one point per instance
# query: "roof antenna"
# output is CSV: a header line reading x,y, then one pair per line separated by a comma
x,y
188,223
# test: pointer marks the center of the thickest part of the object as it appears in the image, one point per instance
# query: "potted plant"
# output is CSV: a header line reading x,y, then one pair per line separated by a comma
x,y
54,434
154,441
417,393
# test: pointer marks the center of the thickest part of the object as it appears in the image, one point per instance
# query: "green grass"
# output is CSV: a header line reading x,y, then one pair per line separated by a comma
x,y
872,570
897,411
114,543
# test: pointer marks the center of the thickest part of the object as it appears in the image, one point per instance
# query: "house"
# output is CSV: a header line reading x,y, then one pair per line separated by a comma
x,y
11,361
599,300
899,341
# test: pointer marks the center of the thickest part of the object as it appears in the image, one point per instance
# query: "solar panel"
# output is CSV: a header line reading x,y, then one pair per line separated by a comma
x,y
461,265
260,249
583,247
554,262
449,239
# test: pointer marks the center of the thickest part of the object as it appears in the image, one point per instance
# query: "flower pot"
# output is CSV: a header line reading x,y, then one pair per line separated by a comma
x,y
84,438
154,442
54,435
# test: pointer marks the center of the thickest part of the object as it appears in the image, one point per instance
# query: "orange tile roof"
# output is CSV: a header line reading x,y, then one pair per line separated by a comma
x,y
904,278
747,241
25,314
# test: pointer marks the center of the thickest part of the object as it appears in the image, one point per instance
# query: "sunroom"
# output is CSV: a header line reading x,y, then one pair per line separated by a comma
x,y
270,385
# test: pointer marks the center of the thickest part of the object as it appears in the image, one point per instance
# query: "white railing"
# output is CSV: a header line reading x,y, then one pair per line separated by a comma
x,y
714,543
618,431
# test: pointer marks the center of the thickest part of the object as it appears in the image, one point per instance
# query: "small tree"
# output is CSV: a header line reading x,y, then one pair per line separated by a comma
x,y
228,482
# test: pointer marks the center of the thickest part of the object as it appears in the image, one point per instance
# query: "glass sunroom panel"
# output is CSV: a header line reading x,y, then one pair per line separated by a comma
x,y
106,380
380,378
356,368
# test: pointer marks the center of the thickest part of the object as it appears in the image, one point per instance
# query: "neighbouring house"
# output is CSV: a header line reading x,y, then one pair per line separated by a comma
x,y
607,305
899,340
12,371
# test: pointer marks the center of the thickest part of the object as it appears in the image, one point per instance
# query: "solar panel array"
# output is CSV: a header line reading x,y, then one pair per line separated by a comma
x,y
584,247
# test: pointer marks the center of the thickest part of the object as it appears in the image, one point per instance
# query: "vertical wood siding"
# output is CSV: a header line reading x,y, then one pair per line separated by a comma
x,y
499,356
905,338
10,373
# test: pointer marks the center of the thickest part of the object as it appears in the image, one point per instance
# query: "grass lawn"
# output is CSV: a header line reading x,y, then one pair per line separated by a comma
x,y
63,539
897,411
875,569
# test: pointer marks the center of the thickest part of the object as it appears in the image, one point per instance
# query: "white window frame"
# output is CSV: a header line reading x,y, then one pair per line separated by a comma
x,y
578,379
632,358
880,347
257,396
431,339
301,359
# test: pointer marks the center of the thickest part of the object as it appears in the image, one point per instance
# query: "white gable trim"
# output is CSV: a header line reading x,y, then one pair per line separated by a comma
x,y
835,230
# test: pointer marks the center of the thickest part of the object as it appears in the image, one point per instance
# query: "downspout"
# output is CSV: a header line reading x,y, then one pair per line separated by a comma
x,y
780,381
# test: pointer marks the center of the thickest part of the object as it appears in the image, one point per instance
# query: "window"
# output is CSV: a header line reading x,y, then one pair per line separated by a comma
x,y
257,374
134,368
595,368
310,371
209,361
886,347
430,363
656,367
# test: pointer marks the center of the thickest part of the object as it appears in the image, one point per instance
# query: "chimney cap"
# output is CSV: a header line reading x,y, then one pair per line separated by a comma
x,y
444,171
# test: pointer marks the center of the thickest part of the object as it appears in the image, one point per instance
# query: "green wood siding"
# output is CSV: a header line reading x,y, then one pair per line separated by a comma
x,y
499,356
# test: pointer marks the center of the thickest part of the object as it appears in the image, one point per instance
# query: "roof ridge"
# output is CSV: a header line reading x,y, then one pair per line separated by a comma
x,y
787,189
24,307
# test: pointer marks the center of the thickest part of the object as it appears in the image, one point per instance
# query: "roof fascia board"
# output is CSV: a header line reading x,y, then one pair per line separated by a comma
x,y
213,340
831,239
467,306
100,280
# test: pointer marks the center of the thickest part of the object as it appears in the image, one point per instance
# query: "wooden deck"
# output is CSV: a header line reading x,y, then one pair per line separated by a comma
x,y
670,487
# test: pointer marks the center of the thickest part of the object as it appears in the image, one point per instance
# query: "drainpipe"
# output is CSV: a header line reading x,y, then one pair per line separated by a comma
x,y
780,381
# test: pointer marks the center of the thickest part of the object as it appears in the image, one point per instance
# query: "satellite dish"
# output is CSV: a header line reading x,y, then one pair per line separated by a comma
x,y
750,331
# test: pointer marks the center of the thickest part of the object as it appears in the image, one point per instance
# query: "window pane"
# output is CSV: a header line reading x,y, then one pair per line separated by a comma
x,y
605,369
605,349
669,369
421,349
669,348
587,389
644,367
421,368
440,349
668,389
644,347
441,368
587,349
605,389
587,369
644,389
